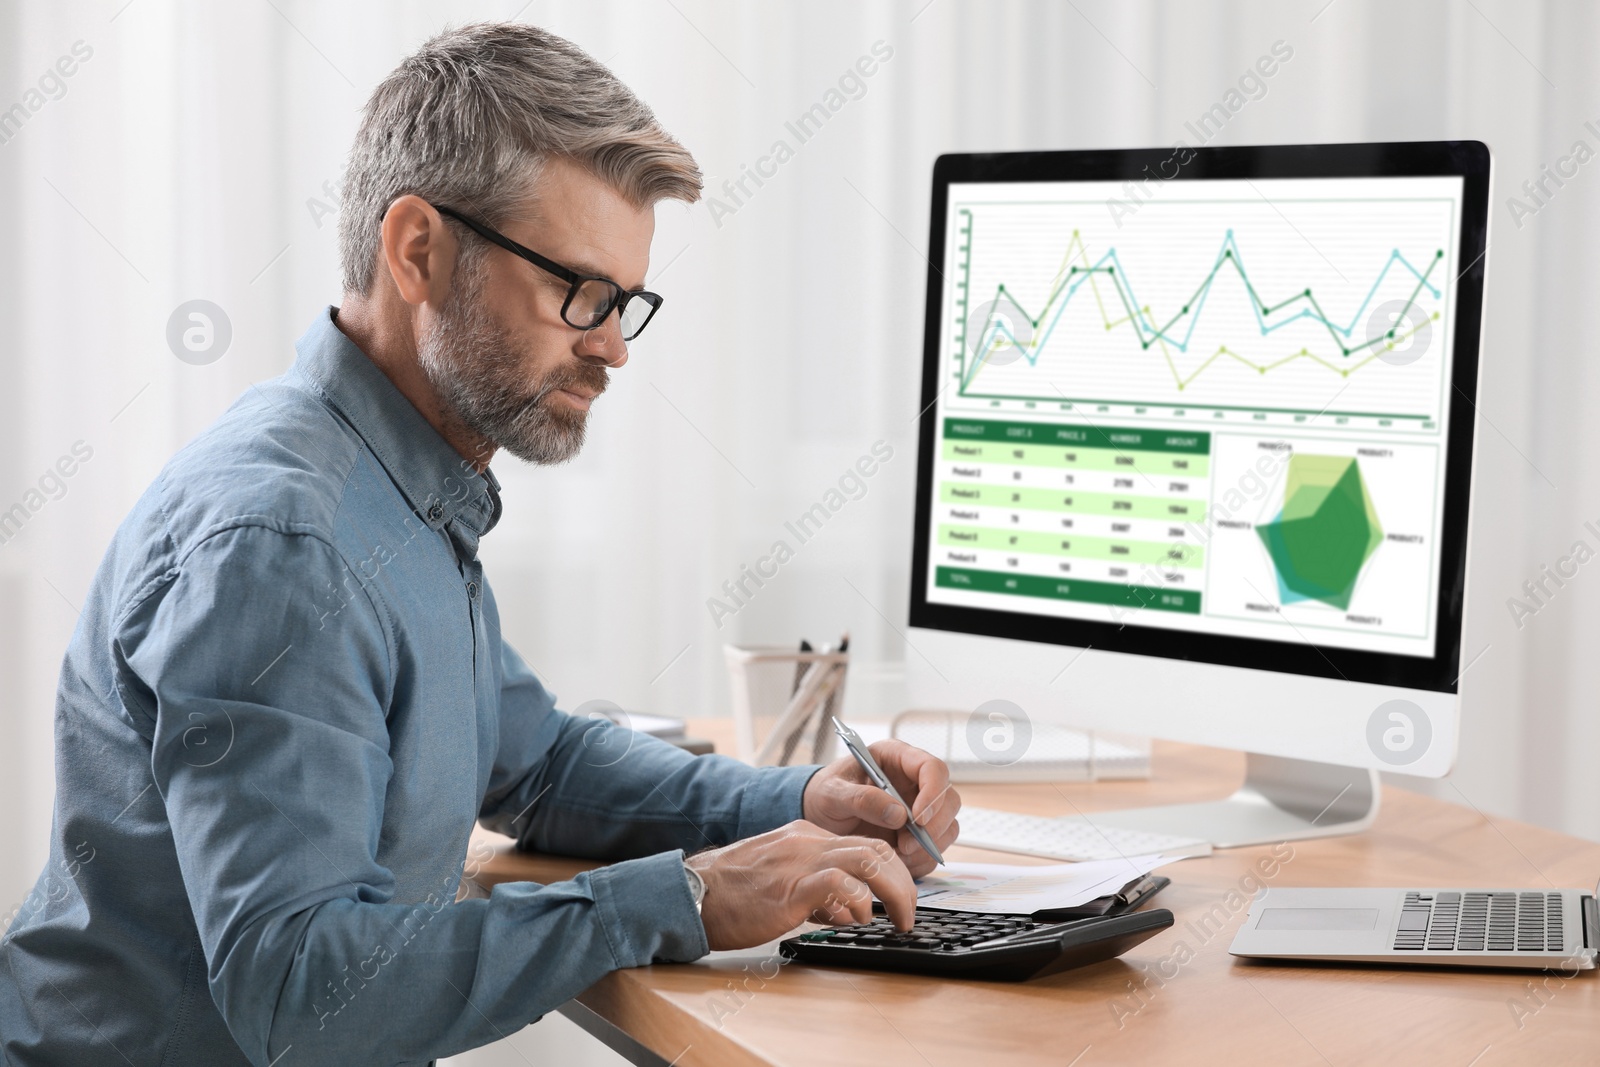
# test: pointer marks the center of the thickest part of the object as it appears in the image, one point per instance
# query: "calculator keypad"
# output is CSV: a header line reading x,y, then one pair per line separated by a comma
x,y
933,931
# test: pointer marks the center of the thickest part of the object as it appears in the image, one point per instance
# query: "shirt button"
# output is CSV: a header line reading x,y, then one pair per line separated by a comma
x,y
436,512
472,590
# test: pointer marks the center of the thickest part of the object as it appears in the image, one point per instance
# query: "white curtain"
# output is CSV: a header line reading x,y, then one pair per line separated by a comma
x,y
194,152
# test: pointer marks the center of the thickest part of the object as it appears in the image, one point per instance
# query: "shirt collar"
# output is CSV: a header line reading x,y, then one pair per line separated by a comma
x,y
441,486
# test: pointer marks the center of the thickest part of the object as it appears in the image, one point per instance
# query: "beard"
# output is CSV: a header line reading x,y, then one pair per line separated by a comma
x,y
477,369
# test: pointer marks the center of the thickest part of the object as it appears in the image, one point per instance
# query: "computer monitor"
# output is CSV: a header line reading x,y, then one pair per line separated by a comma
x,y
1194,460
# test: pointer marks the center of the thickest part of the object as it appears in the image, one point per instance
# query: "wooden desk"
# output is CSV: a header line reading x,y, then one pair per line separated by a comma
x,y
1179,998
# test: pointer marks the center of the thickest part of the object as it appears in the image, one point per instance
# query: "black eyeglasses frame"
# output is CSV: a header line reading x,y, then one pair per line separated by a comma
x,y
574,279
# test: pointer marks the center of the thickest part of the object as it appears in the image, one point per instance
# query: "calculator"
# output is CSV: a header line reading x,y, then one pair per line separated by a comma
x,y
970,945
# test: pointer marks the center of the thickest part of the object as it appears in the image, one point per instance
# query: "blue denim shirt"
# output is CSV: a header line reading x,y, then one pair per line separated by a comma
x,y
285,704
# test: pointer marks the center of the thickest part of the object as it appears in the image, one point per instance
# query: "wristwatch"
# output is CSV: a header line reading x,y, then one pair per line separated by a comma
x,y
697,886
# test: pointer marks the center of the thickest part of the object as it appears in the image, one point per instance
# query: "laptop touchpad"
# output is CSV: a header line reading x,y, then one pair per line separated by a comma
x,y
1318,919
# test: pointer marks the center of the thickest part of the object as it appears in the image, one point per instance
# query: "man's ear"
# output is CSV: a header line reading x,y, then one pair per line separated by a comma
x,y
419,250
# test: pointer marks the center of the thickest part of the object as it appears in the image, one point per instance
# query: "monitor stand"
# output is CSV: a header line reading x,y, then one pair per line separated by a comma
x,y
1281,800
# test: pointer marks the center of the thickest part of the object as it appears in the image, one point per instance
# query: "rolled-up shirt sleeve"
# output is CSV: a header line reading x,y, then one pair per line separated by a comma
x,y
270,752
576,786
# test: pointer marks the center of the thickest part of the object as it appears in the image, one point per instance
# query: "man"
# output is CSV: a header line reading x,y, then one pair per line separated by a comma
x,y
288,698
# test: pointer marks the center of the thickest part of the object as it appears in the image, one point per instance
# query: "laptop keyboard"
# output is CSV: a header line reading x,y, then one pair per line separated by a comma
x,y
1479,922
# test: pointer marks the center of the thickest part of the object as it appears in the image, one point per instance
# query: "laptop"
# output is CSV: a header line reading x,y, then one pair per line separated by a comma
x,y
1533,929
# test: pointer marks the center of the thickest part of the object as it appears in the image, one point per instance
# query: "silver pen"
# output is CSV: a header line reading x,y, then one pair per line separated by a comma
x,y
875,775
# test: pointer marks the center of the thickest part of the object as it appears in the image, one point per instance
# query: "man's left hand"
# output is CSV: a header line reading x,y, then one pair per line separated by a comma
x,y
839,798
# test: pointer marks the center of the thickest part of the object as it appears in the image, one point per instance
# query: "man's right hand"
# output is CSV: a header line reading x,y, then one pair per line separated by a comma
x,y
765,886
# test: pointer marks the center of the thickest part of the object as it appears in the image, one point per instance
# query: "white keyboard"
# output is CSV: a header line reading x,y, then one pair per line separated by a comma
x,y
1054,753
1067,838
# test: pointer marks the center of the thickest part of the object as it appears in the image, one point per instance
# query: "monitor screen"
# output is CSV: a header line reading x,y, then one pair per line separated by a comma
x,y
1192,415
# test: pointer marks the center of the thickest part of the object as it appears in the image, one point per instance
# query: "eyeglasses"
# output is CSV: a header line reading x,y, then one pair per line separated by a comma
x,y
590,298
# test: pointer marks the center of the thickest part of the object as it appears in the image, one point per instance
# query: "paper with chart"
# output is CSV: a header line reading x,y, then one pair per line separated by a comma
x,y
1013,889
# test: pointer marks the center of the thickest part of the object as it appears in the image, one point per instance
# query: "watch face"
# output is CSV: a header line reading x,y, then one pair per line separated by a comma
x,y
697,885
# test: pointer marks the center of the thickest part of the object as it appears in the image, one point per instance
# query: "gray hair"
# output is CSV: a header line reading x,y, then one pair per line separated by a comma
x,y
469,117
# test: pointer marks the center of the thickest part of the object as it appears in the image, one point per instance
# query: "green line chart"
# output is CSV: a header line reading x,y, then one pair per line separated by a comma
x,y
996,334
1226,303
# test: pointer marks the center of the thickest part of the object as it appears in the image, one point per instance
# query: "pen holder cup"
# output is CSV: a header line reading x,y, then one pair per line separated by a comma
x,y
780,707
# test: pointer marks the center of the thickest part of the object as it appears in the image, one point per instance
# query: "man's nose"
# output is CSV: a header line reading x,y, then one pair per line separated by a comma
x,y
604,343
